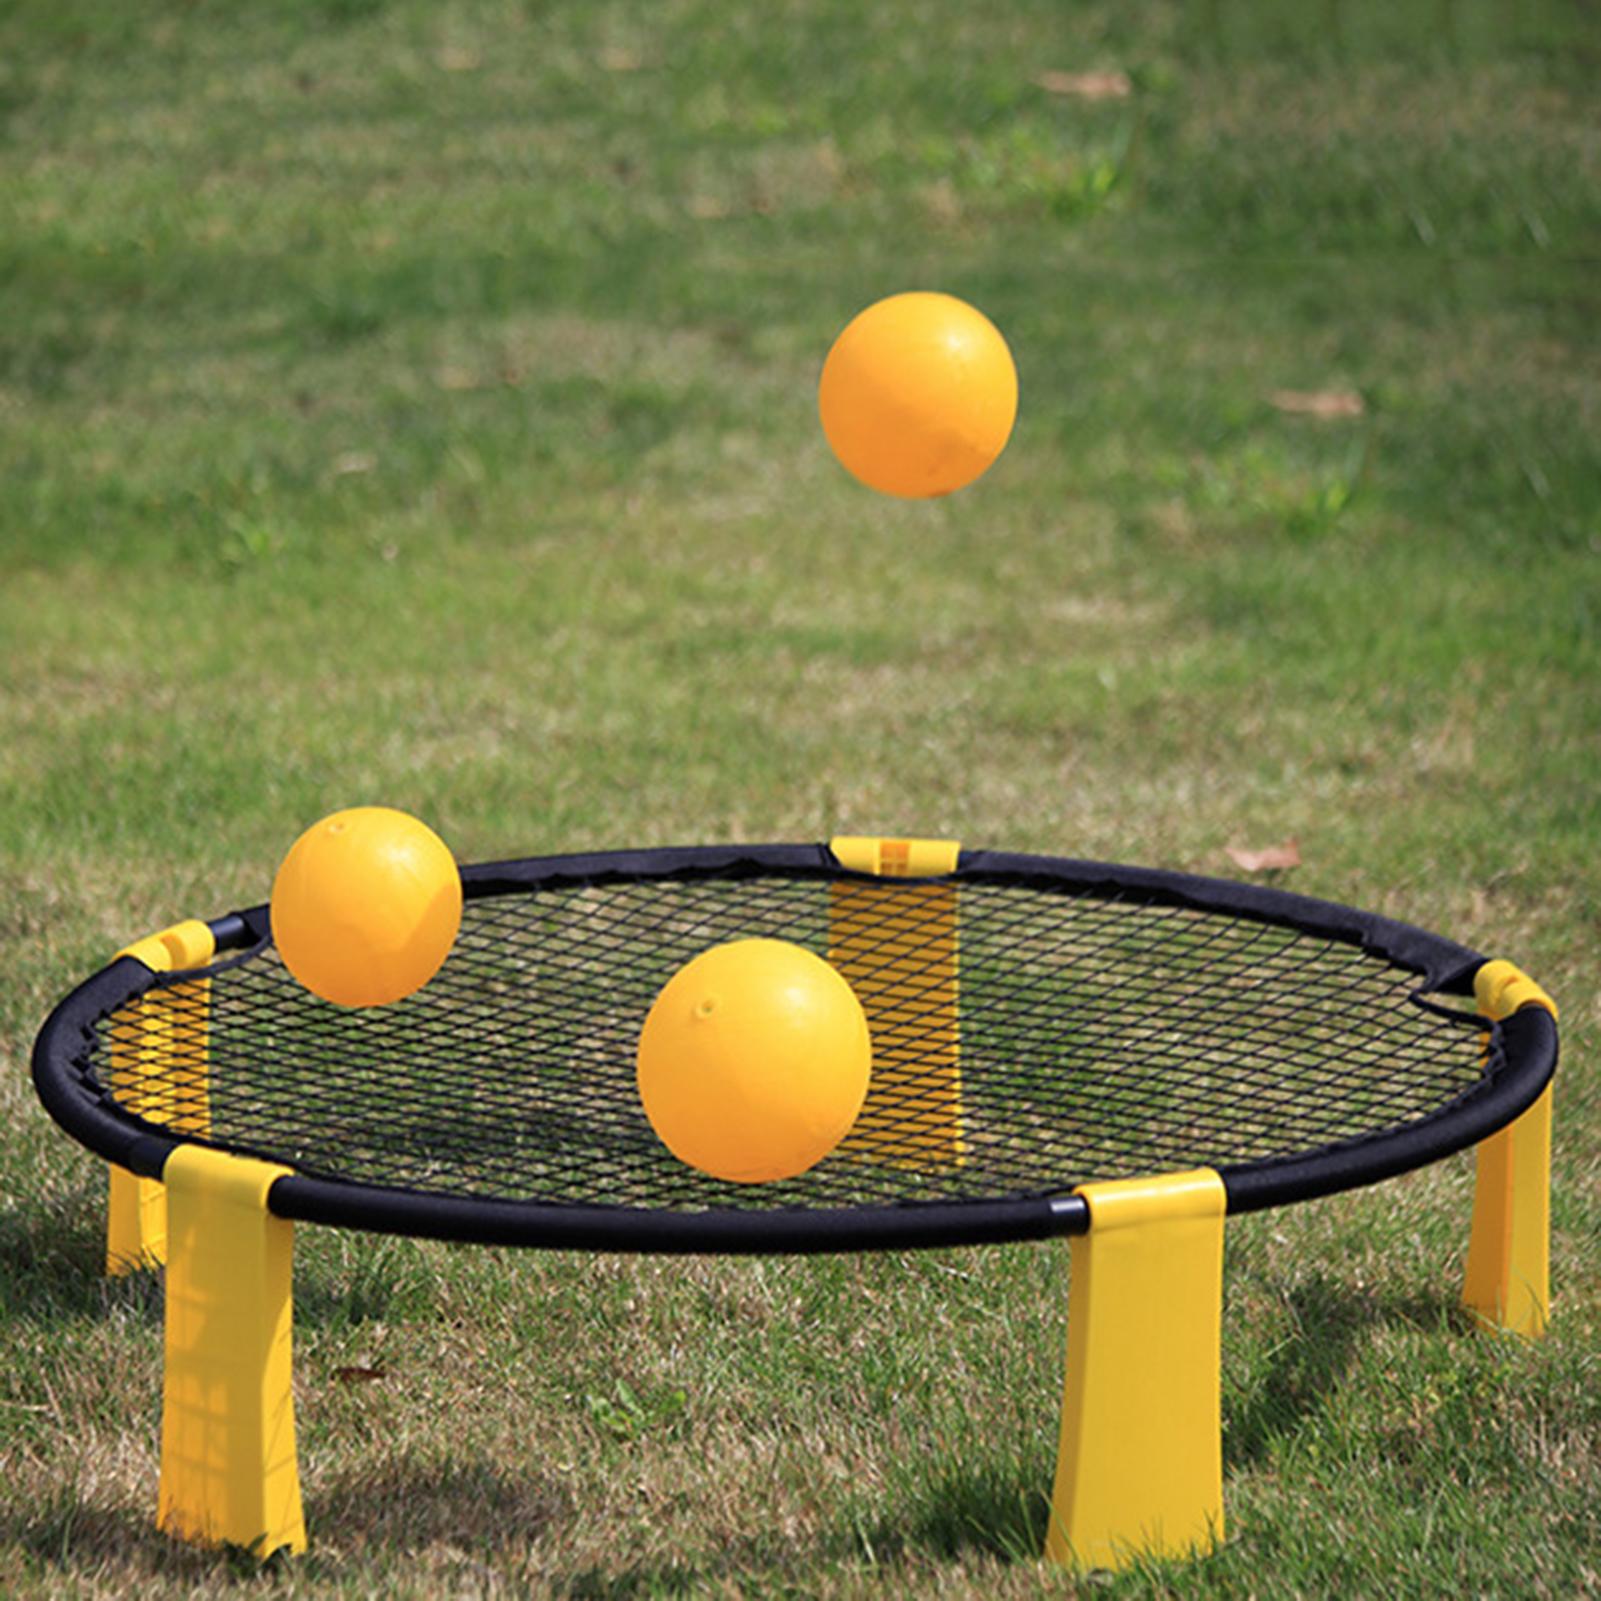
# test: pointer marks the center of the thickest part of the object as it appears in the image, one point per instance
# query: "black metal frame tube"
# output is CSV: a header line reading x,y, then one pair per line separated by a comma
x,y
1523,1067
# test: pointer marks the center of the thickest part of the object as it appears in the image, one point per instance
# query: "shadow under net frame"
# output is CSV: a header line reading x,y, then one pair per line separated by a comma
x,y
125,1063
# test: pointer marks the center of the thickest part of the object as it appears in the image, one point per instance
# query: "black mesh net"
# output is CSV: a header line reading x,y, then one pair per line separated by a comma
x,y
1026,1040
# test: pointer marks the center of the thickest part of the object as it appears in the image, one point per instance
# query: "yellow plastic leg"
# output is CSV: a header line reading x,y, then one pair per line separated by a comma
x,y
898,950
1508,1281
1140,1468
158,1071
1507,1284
136,1222
228,1469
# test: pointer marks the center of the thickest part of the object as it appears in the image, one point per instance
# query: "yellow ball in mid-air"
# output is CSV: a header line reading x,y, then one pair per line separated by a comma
x,y
754,1061
366,906
918,395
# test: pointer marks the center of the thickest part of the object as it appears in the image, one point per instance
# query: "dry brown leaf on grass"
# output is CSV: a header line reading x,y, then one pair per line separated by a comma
x,y
1319,402
1086,85
1269,857
360,1375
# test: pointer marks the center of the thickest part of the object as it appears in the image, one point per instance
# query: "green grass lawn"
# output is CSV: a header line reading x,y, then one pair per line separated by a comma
x,y
415,403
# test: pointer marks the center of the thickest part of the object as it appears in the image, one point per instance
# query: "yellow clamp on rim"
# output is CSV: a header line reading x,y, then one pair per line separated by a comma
x,y
184,945
896,858
1502,988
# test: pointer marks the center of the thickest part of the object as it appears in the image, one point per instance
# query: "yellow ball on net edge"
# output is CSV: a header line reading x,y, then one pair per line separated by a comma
x,y
366,906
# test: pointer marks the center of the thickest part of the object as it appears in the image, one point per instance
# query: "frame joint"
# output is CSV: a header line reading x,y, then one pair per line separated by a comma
x,y
1502,988
171,950
896,858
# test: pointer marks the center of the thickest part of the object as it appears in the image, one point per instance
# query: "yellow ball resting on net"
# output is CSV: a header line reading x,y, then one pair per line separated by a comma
x,y
754,1061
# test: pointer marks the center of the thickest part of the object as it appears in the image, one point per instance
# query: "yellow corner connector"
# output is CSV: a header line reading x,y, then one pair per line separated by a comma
x,y
228,1469
1140,1466
896,858
1501,988
186,944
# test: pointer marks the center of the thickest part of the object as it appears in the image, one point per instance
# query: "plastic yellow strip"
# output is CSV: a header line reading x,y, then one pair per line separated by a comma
x,y
159,1057
1507,1285
186,944
896,858
1140,1466
1502,987
136,1222
898,949
1508,1280
228,1469
159,1071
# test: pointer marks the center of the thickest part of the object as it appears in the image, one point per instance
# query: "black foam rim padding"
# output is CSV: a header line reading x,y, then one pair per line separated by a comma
x,y
614,1228
1528,1059
71,1097
1443,964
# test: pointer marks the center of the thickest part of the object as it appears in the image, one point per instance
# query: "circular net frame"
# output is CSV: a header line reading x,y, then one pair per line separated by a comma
x,y
1025,1041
